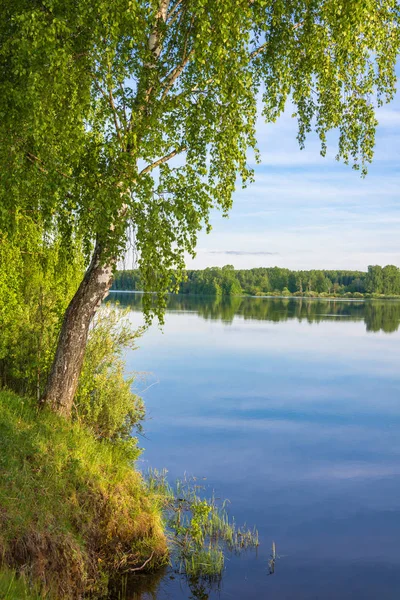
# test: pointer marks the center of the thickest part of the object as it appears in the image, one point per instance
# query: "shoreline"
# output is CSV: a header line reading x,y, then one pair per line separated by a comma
x,y
364,297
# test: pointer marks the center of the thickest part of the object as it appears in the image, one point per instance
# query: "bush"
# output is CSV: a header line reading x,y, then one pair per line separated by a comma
x,y
104,400
73,509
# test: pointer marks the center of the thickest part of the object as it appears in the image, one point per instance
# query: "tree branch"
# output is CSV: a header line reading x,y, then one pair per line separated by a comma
x,y
173,76
114,111
110,100
161,161
154,41
261,48
154,44
175,14
174,9
35,160
143,565
123,103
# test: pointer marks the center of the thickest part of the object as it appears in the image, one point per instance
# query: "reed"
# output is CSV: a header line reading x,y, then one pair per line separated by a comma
x,y
200,530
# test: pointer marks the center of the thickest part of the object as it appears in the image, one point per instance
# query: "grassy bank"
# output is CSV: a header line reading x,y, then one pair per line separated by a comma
x,y
73,510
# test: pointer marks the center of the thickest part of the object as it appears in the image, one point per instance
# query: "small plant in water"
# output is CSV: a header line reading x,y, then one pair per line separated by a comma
x,y
200,529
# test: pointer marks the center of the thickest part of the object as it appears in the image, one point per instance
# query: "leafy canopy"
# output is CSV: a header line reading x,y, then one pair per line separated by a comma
x,y
142,112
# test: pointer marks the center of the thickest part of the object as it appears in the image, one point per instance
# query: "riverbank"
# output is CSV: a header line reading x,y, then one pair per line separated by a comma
x,y
298,295
73,510
326,296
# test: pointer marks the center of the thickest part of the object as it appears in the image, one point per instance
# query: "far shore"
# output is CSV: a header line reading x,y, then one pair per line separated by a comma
x,y
341,298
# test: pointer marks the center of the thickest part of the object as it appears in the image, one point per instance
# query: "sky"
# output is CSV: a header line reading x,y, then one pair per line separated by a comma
x,y
309,212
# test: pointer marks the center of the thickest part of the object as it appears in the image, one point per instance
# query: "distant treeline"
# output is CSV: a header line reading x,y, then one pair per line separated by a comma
x,y
227,281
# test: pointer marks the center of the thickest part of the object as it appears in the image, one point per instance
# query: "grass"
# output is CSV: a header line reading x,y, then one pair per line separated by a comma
x,y
13,587
200,529
73,510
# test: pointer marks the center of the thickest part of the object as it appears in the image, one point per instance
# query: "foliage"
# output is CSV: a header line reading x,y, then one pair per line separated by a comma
x,y
265,280
36,283
93,516
383,280
104,400
11,308
37,280
212,282
96,100
200,529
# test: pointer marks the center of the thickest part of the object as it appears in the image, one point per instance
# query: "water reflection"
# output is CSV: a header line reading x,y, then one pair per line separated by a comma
x,y
378,315
149,586
140,586
201,589
291,409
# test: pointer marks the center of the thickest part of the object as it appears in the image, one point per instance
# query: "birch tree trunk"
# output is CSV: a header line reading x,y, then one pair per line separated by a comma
x,y
67,365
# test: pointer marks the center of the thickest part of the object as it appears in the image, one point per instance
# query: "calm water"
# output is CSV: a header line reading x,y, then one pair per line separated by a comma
x,y
291,409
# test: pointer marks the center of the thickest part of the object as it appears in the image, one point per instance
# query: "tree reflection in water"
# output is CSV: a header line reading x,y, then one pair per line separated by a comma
x,y
378,315
148,586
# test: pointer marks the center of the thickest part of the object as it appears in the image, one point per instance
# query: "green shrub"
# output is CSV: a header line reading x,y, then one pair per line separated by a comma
x,y
104,400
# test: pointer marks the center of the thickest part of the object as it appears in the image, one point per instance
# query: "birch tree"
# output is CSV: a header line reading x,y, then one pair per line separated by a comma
x,y
139,115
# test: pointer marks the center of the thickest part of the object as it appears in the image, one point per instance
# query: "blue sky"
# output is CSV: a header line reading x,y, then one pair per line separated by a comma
x,y
305,211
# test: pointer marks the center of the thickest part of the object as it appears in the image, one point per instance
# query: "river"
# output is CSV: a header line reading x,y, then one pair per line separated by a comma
x,y
290,408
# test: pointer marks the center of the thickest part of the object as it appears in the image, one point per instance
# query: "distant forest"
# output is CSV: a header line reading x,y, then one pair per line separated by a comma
x,y
227,281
